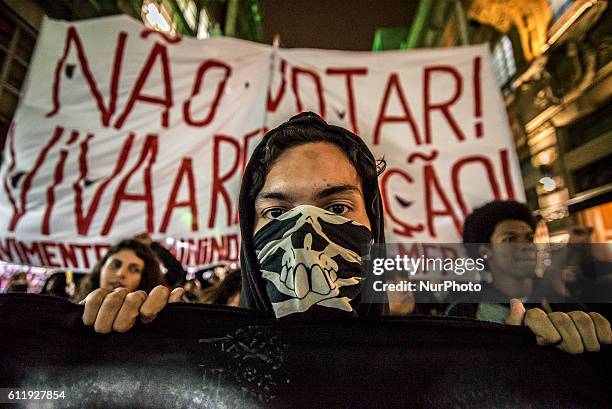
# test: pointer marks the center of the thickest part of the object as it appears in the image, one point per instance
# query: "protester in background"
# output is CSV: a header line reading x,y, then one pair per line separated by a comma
x,y
18,283
211,275
226,292
593,261
588,267
193,291
201,277
510,257
224,289
174,275
55,285
505,231
128,264
123,278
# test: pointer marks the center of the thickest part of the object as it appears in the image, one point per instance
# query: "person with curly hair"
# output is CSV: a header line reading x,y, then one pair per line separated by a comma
x,y
129,268
502,232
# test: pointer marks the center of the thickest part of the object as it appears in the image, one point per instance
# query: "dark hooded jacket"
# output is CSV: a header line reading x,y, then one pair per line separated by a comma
x,y
253,294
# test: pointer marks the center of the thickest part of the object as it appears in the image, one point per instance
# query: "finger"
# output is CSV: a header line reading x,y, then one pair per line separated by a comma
x,y
602,327
539,323
176,295
586,329
108,310
570,337
126,318
517,313
92,302
157,299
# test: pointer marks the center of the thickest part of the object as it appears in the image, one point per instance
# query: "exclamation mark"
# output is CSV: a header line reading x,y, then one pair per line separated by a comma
x,y
477,97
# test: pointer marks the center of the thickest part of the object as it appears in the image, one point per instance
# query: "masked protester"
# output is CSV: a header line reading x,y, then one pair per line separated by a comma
x,y
309,208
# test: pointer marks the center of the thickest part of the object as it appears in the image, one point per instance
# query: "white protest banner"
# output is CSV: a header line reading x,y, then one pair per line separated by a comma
x,y
436,116
121,130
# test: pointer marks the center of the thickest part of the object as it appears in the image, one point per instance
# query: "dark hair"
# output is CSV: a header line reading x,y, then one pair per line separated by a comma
x,y
18,283
308,127
220,293
480,224
50,287
151,273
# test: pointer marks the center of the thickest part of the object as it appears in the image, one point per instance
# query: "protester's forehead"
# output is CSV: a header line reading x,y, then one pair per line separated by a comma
x,y
127,255
311,166
313,150
512,226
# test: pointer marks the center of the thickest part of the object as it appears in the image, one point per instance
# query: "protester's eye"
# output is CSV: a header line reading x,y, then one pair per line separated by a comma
x,y
135,269
115,264
339,209
273,213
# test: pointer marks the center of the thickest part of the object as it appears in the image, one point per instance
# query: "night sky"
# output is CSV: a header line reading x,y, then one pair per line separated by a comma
x,y
333,24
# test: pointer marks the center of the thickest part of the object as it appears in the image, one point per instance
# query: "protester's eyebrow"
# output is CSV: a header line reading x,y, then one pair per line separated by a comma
x,y
333,190
273,196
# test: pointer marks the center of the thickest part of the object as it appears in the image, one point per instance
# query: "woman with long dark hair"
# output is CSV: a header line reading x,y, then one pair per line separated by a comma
x,y
129,264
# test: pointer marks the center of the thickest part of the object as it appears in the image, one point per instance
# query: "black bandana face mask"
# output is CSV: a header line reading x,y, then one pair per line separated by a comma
x,y
311,258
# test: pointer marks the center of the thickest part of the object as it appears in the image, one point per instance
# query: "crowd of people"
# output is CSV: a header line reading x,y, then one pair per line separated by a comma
x,y
139,264
309,203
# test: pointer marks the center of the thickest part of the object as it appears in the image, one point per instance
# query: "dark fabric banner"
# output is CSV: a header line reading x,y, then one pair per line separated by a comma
x,y
199,356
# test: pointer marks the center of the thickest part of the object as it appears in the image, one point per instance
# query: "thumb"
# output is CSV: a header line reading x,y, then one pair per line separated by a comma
x,y
517,313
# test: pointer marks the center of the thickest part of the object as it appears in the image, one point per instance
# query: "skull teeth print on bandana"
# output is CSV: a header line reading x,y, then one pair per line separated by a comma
x,y
311,257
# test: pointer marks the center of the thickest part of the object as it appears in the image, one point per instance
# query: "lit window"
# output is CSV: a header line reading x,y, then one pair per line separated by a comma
x,y
504,66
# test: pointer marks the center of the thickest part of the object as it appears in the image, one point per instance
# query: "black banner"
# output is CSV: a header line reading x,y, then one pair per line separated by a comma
x,y
216,357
